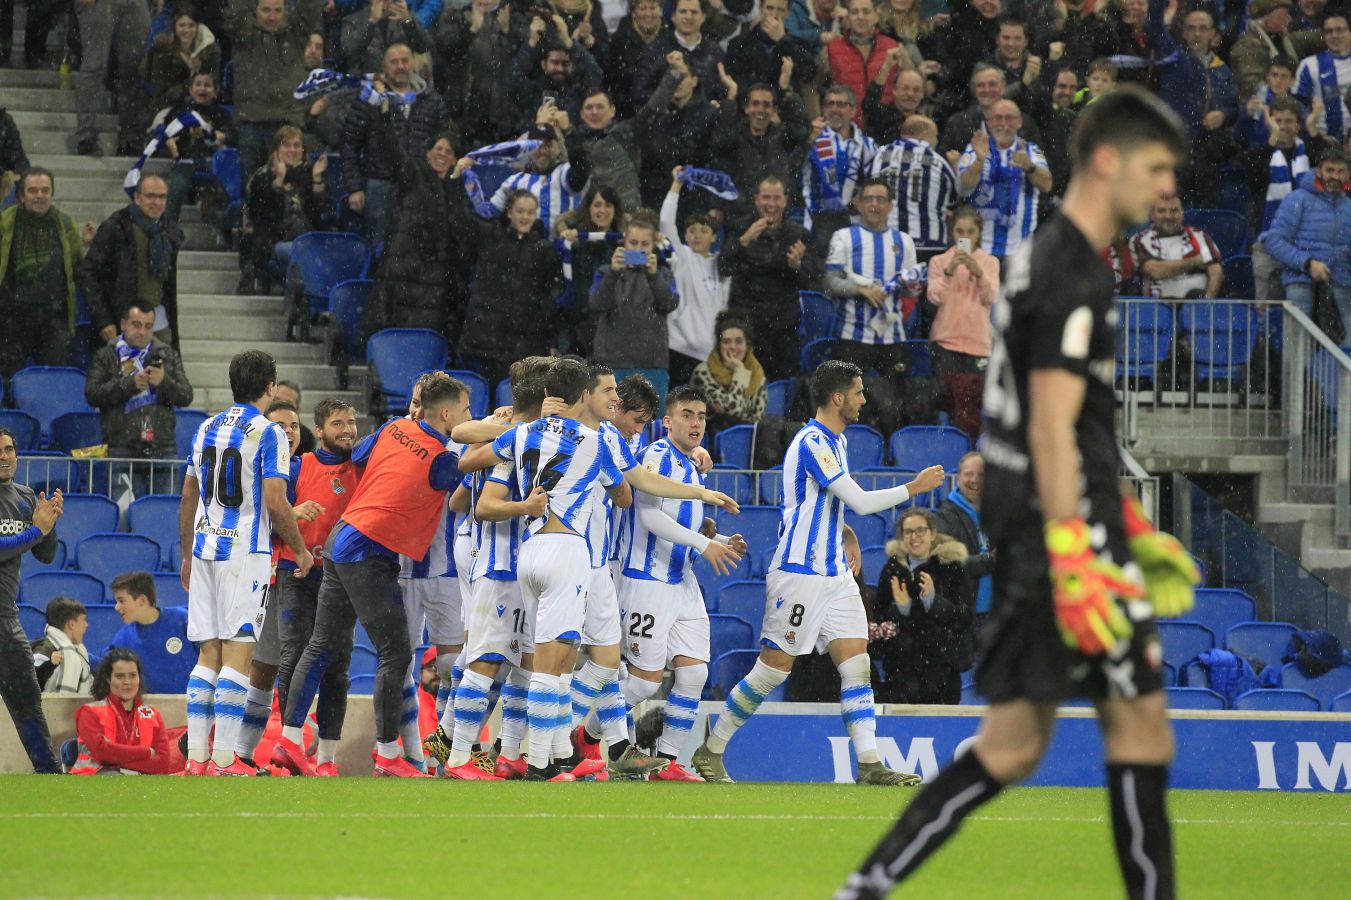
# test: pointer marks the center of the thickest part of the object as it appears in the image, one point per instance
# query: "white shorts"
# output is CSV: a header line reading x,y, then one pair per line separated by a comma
x,y
463,548
601,628
500,626
807,612
555,574
227,600
437,600
662,621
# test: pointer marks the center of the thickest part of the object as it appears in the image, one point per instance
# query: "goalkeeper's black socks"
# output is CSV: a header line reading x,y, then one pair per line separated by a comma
x,y
1144,838
617,749
926,824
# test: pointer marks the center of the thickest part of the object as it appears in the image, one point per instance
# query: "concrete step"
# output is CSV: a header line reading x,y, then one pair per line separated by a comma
x,y
311,376
197,260
11,79
89,188
230,306
210,352
219,397
209,281
231,328
66,164
50,99
62,143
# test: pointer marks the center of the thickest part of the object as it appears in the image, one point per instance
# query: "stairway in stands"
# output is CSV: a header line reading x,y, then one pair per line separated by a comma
x,y
214,322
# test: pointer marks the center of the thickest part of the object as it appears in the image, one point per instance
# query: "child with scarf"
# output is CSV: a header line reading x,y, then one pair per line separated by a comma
x,y
701,288
60,657
118,733
732,377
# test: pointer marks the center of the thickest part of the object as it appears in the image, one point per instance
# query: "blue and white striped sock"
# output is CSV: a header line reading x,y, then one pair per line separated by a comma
x,y
563,719
229,702
257,708
681,705
448,672
856,706
541,708
409,732
587,684
514,693
201,696
744,700
612,712
469,710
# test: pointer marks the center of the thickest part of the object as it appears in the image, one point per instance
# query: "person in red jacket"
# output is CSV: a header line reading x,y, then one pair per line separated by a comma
x,y
117,732
855,60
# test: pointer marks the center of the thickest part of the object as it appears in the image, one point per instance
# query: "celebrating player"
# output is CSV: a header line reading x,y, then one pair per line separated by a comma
x,y
1067,620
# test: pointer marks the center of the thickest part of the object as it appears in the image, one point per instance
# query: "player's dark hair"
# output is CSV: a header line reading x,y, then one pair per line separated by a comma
x,y
833,376
638,395
685,393
62,610
250,374
276,405
137,584
598,371
1125,119
442,391
103,672
328,407
527,383
567,380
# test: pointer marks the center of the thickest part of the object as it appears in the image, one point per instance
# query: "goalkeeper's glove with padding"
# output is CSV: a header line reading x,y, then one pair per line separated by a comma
x,y
1085,590
1170,572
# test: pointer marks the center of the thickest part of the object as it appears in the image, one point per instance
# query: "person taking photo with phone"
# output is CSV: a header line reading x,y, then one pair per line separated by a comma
x,y
630,305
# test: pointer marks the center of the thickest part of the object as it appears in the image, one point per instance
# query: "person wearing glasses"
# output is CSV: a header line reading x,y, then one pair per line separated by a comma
x,y
1322,79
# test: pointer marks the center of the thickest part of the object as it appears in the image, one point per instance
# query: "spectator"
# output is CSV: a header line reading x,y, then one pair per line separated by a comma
x,y
40,254
371,30
517,274
1022,70
769,262
159,637
959,517
1177,261
1084,34
135,382
37,31
905,22
987,86
678,137
923,594
555,182
1308,15
134,257
922,182
282,200
192,149
963,284
552,70
368,169
326,114
836,164
111,31
971,37
856,60
186,49
1267,39
1323,79
1003,176
1308,236
611,147
289,392
1126,35
588,237
817,22
630,306
60,657
701,289
13,160
1197,85
703,55
1055,117
866,272
908,98
585,24
1101,80
475,48
757,54
731,376
764,135
1276,157
268,41
630,40
118,733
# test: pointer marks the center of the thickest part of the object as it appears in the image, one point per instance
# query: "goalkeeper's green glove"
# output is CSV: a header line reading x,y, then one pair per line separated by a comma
x,y
1085,589
1170,573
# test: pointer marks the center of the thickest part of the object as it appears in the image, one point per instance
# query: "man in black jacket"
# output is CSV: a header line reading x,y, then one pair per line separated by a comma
x,y
761,134
959,517
758,53
702,53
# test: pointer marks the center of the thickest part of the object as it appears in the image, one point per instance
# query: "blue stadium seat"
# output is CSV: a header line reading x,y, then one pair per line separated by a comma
x,y
186,423
1341,703
31,565
969,695
87,514
104,623
728,632
921,357
38,590
321,259
1222,337
1143,338
364,660
1183,641
1269,700
478,390
1263,640
865,446
732,666
361,684
733,446
225,168
346,306
771,486
156,517
711,583
732,483
398,356
1169,675
1219,609
106,555
1193,698
1324,687
175,556
1228,229
779,394
169,589
45,392
27,430
816,352
745,600
1238,278
759,525
44,470
872,530
76,430
33,620
818,316
503,395
917,447
874,558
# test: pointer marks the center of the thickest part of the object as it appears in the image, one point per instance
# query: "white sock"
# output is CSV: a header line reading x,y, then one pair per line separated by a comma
x,y
744,700
468,711
856,706
563,724
515,691
295,734
541,707
257,708
201,695
387,749
328,750
408,723
612,712
681,705
587,684
447,670
230,700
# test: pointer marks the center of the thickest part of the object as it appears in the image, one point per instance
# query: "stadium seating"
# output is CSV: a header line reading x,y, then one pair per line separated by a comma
x,y
1143,339
1169,674
1193,698
816,352
874,558
225,170
346,305
737,485
1222,336
31,565
872,530
1324,687
728,632
744,599
45,392
76,430
86,514
1270,700
104,622
771,486
1341,703
45,471
733,446
175,556
321,259
105,555
156,517
169,589
1219,609
780,392
37,590
503,394
1238,278
818,317
865,446
398,356
478,390
361,684
364,661
711,583
759,525
732,666
1183,641
27,430
33,620
1261,640
186,423
969,695
1229,230
920,446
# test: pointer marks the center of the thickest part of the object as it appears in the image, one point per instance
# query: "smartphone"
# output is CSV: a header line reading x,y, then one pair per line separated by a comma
x,y
635,258
550,98
964,245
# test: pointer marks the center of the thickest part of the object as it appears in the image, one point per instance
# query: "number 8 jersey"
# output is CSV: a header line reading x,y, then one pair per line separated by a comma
x,y
231,455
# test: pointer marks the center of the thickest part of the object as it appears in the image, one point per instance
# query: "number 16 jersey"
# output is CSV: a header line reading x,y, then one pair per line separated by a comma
x,y
231,455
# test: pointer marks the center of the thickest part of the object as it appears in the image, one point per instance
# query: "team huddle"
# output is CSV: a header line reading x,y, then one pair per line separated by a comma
x,y
542,535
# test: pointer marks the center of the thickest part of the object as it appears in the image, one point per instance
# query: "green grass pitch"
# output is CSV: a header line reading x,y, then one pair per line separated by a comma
x,y
365,837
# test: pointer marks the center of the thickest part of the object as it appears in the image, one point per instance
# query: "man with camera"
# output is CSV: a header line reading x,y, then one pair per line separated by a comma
x,y
135,382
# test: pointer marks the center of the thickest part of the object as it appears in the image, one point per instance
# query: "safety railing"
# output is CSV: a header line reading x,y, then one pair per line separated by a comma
x,y
116,479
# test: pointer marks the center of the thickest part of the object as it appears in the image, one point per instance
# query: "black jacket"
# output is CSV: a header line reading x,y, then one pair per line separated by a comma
x,y
954,522
511,309
622,59
474,73
12,157
110,273
702,61
107,388
362,156
753,57
528,87
760,273
932,641
678,137
779,151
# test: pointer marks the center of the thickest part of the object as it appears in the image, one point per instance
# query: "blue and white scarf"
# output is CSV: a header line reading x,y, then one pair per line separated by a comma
x,y
503,154
830,161
132,360
189,119
473,188
1283,170
565,251
719,184
907,278
326,81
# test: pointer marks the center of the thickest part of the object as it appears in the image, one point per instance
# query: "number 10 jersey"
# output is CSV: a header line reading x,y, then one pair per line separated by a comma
x,y
231,455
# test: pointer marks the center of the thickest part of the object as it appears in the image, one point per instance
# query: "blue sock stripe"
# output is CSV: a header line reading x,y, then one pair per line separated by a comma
x,y
468,691
513,714
201,710
682,702
852,716
744,687
229,710
585,689
253,720
857,692
609,714
738,712
540,721
511,691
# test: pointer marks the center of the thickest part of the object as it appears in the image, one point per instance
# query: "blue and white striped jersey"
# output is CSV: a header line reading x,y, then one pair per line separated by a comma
x,y
231,455
440,559
648,557
551,189
1005,197
811,533
565,458
1328,76
849,159
496,544
601,538
619,520
924,186
874,257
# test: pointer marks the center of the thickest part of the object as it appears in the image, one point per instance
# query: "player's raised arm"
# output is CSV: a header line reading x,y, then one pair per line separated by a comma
x,y
868,502
661,486
722,555
478,458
